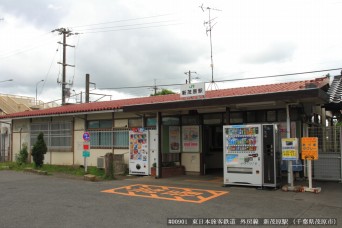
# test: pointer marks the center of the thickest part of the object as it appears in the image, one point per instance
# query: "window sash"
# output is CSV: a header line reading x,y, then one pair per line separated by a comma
x,y
118,138
57,135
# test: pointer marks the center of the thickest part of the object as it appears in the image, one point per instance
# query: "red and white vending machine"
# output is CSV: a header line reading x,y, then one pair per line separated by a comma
x,y
251,155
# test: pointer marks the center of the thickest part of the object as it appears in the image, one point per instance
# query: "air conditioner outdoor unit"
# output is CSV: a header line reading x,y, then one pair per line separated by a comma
x,y
101,162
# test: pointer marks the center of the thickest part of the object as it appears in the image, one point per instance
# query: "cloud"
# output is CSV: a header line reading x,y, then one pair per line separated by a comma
x,y
273,53
40,13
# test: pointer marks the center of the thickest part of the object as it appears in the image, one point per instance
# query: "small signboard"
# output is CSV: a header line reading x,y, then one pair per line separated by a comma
x,y
289,148
310,148
86,154
86,146
86,136
192,90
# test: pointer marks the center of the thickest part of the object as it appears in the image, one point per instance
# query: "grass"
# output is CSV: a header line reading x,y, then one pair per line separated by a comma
x,y
51,169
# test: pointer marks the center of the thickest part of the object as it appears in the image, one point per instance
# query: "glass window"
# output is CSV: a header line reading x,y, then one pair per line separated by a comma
x,y
260,116
251,117
101,139
151,121
281,115
137,122
118,138
236,117
106,123
212,118
93,124
190,120
170,120
57,135
100,124
121,138
271,116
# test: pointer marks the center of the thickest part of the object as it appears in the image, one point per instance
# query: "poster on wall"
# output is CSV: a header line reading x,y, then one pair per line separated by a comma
x,y
174,139
190,138
138,152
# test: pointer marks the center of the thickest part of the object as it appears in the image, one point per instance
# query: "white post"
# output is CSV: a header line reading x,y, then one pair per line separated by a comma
x,y
85,165
310,173
305,134
288,135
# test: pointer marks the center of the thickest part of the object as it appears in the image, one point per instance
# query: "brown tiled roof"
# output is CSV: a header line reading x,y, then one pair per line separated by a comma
x,y
118,104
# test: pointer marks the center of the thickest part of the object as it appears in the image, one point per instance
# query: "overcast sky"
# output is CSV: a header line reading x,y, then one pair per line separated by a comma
x,y
129,43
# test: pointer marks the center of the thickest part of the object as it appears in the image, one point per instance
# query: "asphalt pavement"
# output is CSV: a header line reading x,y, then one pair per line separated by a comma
x,y
31,200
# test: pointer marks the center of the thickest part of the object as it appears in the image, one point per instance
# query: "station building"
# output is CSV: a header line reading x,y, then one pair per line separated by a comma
x,y
304,104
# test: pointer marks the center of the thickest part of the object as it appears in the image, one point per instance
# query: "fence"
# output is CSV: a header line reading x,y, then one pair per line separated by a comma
x,y
329,163
5,150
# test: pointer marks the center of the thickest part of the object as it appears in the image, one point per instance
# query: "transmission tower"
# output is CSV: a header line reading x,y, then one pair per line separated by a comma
x,y
209,27
66,33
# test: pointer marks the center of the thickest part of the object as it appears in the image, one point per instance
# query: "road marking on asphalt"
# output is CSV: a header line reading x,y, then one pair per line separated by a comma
x,y
189,195
218,180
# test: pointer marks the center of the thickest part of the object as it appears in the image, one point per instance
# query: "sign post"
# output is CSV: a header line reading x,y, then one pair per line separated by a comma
x,y
309,153
86,149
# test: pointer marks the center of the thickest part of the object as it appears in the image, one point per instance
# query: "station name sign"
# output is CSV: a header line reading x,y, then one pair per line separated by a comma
x,y
192,90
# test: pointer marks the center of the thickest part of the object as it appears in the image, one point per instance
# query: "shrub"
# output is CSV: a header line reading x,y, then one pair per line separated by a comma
x,y
21,158
38,151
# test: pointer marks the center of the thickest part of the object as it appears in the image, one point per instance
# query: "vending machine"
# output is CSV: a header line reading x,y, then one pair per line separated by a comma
x,y
251,155
139,152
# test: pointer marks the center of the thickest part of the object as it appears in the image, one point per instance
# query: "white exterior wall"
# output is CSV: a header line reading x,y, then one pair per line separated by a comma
x,y
121,123
73,157
191,161
21,135
58,158
99,116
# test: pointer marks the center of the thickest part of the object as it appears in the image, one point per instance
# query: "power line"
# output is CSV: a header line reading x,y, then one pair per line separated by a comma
x,y
238,79
37,44
281,75
117,21
121,26
143,27
226,80
47,74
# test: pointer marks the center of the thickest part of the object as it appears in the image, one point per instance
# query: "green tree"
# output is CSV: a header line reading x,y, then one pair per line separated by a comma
x,y
38,151
163,92
21,158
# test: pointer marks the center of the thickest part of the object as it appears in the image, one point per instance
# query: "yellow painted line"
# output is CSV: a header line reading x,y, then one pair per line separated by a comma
x,y
189,195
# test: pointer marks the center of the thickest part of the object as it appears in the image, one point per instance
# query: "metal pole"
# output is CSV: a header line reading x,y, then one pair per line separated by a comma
x,y
64,68
288,135
310,173
87,88
211,50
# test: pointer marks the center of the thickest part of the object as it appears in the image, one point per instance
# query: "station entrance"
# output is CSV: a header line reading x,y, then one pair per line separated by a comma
x,y
212,147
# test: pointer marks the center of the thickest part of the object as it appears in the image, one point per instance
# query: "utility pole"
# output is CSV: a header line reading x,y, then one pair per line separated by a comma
x,y
87,89
66,33
189,74
155,87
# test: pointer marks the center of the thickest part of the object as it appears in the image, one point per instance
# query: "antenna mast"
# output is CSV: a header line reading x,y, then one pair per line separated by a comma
x,y
209,27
